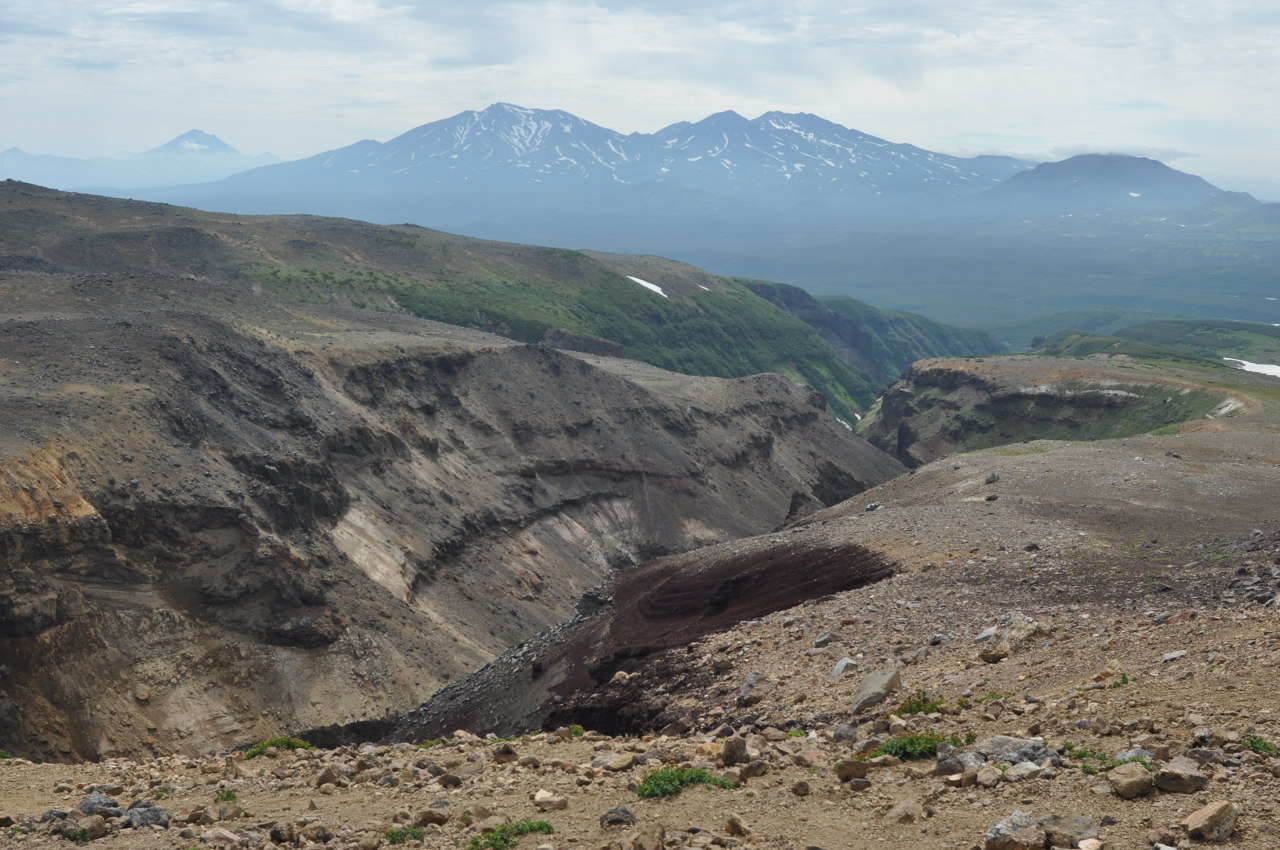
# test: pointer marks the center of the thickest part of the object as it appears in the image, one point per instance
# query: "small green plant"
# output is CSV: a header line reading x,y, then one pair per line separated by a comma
x,y
279,743
669,781
1261,746
577,731
5,754
399,835
993,696
79,836
918,703
1121,680
429,743
1088,770
913,745
796,733
508,835
964,703
226,795
162,792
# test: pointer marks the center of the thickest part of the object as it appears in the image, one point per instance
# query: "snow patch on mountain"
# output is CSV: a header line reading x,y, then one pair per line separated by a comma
x,y
647,285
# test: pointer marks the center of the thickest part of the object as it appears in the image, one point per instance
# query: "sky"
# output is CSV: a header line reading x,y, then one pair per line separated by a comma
x,y
1194,83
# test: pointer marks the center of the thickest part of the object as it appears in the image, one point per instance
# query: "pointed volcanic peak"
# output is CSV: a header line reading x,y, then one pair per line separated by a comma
x,y
1102,182
515,143
194,143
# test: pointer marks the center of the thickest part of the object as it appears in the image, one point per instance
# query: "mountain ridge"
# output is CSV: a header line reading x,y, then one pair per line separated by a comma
x,y
191,157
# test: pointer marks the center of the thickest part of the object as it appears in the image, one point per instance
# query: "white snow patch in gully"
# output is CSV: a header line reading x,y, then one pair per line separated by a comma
x,y
1261,368
647,285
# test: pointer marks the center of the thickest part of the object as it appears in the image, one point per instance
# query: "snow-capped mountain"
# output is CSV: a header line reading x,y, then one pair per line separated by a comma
x,y
509,146
193,157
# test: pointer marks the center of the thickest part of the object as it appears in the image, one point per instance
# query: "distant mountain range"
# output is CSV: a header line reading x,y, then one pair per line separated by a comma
x,y
507,160
796,198
193,157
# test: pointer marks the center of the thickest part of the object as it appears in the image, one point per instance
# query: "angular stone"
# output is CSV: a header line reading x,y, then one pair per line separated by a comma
x,y
1181,776
874,688
546,801
1215,822
736,825
1130,781
431,817
1070,831
1022,770
754,688
987,777
97,802
618,816
1000,748
844,665
847,769
625,761
907,811
1019,831
734,751
505,753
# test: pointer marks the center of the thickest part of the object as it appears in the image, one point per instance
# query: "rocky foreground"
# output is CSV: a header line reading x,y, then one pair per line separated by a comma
x,y
1092,725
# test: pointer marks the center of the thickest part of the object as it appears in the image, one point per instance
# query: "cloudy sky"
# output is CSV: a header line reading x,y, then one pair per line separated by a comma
x,y
1195,83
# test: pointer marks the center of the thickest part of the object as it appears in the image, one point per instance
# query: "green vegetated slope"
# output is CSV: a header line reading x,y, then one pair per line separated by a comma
x,y
700,323
726,331
1257,343
901,338
1025,334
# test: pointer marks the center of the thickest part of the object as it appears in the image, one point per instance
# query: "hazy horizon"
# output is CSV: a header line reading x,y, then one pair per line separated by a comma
x,y
1192,86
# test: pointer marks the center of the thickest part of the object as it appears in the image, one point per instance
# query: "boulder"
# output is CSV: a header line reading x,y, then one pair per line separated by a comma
x,y
1130,780
1181,776
874,688
1215,822
754,688
1019,831
907,811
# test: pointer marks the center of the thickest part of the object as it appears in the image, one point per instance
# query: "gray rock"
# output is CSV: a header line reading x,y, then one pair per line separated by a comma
x,y
618,816
875,688
1130,781
1215,822
141,816
1181,776
847,769
1019,831
1175,655
1206,755
733,751
754,688
98,802
1002,748
843,733
1067,831
843,666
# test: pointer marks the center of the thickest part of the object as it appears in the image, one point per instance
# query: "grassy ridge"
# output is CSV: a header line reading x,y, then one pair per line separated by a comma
x,y
726,333
901,338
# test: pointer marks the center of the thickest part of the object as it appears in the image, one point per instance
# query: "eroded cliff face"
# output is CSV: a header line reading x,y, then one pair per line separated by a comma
x,y
942,406
222,519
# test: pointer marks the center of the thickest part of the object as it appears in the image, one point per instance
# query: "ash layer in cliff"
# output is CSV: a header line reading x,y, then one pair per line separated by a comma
x,y
223,517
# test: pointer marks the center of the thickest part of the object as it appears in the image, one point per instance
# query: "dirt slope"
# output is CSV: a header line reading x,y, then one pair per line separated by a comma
x,y
223,517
